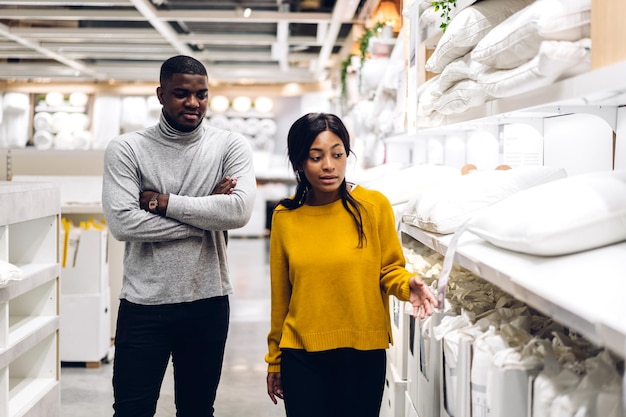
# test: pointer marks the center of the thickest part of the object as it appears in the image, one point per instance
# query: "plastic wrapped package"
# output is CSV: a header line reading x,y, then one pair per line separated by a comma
x,y
508,379
484,349
450,326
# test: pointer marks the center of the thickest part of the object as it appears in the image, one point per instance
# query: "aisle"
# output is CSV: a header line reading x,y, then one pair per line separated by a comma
x,y
242,392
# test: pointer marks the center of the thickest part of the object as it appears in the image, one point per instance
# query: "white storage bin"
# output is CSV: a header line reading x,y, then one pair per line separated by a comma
x,y
409,407
393,394
85,334
428,372
398,352
412,358
423,365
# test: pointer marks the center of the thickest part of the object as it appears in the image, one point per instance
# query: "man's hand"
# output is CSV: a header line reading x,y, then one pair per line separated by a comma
x,y
226,186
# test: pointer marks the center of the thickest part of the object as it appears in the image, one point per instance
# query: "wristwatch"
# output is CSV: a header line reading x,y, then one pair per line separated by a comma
x,y
153,204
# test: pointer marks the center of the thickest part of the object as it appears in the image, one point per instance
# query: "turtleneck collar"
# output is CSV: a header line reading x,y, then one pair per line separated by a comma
x,y
170,133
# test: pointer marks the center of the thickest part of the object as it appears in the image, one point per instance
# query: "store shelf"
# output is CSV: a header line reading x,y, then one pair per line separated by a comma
x,y
29,307
592,92
583,291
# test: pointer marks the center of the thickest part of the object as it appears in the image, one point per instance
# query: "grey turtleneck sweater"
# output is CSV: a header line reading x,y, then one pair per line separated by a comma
x,y
180,257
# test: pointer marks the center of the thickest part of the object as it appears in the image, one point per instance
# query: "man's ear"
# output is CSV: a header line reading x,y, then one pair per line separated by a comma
x,y
159,93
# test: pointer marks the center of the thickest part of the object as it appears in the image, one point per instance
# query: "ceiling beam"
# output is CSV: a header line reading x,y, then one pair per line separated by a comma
x,y
75,65
344,9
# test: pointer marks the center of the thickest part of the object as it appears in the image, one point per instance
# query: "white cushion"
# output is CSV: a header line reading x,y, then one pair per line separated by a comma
x,y
443,209
468,27
573,214
517,39
555,60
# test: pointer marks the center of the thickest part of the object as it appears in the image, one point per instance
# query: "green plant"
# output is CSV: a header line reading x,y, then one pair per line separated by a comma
x,y
363,43
445,6
344,75
364,40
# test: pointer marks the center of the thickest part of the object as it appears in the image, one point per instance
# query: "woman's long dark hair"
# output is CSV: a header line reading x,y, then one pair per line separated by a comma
x,y
299,140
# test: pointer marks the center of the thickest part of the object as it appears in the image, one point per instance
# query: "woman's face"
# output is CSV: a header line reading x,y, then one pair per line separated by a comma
x,y
325,168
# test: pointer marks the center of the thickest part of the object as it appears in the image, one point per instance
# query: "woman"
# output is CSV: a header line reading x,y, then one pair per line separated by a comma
x,y
335,258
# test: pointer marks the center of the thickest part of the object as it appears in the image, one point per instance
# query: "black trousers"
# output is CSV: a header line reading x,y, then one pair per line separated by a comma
x,y
334,383
194,334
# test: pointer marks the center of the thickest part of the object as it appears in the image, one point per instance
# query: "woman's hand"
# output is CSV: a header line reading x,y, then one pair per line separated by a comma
x,y
423,300
274,386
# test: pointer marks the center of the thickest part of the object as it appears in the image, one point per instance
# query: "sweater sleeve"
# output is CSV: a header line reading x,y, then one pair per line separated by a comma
x,y
120,202
280,294
220,211
394,276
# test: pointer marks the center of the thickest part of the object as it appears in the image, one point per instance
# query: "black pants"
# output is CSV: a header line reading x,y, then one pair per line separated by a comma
x,y
334,383
194,334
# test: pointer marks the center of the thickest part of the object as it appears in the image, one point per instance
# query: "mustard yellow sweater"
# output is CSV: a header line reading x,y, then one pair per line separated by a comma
x,y
328,293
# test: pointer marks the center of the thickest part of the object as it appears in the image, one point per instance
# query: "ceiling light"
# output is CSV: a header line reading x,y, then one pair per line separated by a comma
x,y
388,14
292,89
247,12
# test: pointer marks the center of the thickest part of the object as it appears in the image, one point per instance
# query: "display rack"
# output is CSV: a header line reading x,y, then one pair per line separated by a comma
x,y
582,291
29,308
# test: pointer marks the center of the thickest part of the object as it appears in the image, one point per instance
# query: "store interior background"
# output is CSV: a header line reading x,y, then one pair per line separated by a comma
x,y
74,74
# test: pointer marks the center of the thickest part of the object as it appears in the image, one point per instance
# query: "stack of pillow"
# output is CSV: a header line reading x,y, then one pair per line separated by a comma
x,y
500,48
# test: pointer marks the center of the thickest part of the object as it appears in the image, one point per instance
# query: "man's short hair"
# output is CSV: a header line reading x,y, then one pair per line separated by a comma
x,y
180,64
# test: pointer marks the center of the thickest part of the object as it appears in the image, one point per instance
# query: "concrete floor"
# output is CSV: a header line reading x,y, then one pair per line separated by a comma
x,y
242,391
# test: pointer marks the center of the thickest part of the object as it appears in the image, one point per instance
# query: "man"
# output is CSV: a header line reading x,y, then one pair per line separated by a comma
x,y
170,192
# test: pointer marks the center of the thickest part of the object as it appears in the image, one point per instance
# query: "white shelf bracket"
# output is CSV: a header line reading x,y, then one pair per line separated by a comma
x,y
606,113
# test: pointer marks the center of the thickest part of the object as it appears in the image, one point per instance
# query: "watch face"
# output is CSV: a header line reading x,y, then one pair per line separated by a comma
x,y
152,204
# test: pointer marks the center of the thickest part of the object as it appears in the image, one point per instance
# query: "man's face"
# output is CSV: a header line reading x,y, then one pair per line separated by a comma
x,y
184,98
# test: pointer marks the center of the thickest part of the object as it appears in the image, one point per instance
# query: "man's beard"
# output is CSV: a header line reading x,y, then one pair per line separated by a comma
x,y
183,128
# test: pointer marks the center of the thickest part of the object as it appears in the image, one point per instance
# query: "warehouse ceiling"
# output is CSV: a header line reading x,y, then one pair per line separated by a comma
x,y
239,41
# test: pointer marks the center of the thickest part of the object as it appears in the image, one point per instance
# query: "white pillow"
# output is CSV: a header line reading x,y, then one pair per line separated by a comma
x,y
555,60
401,186
468,27
463,68
462,96
517,39
426,96
573,214
443,209
9,272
